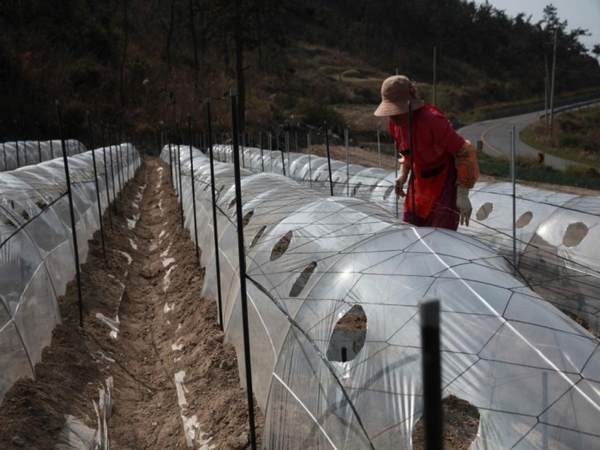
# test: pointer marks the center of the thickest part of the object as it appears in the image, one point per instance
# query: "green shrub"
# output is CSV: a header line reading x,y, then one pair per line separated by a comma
x,y
316,113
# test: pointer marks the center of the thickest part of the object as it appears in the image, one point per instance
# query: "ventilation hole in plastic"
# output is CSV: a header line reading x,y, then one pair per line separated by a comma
x,y
281,246
247,218
258,236
485,210
303,279
41,204
461,421
231,203
575,233
524,220
7,221
387,192
24,215
348,337
356,188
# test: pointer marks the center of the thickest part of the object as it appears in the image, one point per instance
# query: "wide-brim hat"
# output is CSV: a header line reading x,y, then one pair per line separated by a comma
x,y
397,93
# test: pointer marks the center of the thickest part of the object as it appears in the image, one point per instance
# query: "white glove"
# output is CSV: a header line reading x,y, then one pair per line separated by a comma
x,y
463,204
400,180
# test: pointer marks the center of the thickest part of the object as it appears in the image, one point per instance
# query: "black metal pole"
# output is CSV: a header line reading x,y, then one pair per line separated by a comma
x,y
179,136
97,185
106,176
39,151
119,161
72,211
432,378
214,211
328,159
411,152
193,180
171,161
262,154
51,148
242,272
17,150
112,173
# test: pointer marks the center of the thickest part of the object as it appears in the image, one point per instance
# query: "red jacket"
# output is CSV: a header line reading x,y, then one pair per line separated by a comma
x,y
435,142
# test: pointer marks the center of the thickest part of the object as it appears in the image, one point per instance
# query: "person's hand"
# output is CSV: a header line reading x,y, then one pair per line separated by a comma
x,y
463,204
400,180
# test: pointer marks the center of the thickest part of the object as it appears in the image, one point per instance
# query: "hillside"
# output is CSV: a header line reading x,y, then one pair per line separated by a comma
x,y
144,66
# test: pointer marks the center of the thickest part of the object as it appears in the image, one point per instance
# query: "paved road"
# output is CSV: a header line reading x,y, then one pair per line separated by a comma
x,y
495,136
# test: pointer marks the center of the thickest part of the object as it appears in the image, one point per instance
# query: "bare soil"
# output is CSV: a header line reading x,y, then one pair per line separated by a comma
x,y
150,282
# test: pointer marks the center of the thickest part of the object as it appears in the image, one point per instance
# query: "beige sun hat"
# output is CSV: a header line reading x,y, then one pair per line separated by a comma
x,y
396,93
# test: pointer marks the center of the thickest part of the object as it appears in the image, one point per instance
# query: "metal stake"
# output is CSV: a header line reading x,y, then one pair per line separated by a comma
x,y
193,180
72,211
97,185
242,272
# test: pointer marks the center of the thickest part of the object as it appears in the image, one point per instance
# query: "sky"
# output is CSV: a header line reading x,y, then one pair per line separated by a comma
x,y
583,14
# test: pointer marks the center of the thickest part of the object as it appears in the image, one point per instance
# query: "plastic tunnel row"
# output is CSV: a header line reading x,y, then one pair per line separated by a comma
x,y
555,234
36,245
334,287
24,153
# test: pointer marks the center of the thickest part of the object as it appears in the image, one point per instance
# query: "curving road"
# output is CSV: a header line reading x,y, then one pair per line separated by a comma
x,y
495,137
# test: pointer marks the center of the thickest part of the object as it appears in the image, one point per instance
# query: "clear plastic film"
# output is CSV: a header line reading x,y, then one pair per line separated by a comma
x,y
313,261
36,246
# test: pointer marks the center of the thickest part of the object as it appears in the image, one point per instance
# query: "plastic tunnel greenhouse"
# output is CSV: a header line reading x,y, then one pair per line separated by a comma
x,y
36,245
23,153
315,261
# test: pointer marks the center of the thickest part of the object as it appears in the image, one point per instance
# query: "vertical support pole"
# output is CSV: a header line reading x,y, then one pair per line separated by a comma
x,y
545,410
72,211
106,177
39,151
411,151
193,181
262,153
514,195
271,150
328,159
4,153
51,149
214,211
396,176
179,136
346,141
287,150
112,175
552,85
282,154
17,151
309,144
121,175
379,147
242,269
96,182
432,378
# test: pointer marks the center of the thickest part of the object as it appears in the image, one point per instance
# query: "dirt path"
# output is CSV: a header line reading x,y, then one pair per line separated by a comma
x,y
176,384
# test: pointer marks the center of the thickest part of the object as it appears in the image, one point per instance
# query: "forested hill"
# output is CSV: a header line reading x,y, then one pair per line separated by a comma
x,y
147,64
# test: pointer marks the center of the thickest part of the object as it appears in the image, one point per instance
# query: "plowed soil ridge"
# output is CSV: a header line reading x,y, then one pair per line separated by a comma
x,y
176,383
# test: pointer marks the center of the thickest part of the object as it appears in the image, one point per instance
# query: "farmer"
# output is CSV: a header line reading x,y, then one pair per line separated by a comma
x,y
442,165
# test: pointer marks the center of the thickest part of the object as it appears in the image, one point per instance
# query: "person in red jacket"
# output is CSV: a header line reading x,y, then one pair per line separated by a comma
x,y
442,165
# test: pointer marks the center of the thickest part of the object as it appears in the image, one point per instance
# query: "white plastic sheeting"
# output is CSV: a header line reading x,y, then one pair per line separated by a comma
x,y
36,247
533,374
23,153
